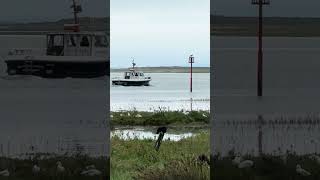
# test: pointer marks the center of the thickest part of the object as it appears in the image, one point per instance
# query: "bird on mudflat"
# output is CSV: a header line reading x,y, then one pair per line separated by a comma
x,y
245,164
5,173
237,160
316,158
161,131
60,168
301,171
91,171
36,169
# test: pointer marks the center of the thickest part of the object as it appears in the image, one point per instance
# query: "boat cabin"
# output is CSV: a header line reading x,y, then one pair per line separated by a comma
x,y
77,44
134,75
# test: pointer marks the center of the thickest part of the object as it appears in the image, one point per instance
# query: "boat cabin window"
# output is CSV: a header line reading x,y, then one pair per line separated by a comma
x,y
55,45
85,42
100,41
141,74
72,41
127,75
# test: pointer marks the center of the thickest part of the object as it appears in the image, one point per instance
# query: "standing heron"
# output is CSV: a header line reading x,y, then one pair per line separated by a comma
x,y
161,131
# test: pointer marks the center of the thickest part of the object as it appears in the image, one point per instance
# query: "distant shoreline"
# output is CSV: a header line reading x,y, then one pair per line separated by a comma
x,y
169,69
273,26
219,26
91,24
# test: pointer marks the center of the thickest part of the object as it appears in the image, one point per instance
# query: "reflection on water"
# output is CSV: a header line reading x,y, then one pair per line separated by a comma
x,y
296,135
53,116
140,134
291,88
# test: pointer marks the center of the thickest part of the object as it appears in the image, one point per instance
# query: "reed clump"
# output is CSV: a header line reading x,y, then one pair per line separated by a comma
x,y
159,117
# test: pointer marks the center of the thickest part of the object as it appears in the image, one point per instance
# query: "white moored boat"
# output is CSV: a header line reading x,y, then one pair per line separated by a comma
x,y
67,54
132,78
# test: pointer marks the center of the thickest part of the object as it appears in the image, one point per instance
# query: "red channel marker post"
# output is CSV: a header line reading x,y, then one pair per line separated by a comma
x,y
191,61
260,3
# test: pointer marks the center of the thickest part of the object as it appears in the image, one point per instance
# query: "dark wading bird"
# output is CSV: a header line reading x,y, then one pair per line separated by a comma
x,y
160,131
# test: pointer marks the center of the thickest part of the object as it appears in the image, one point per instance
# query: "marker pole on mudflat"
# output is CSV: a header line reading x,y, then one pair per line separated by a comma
x,y
260,3
191,61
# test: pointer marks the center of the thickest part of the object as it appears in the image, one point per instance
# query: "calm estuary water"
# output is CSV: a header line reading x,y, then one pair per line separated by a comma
x,y
50,115
291,79
169,91
291,89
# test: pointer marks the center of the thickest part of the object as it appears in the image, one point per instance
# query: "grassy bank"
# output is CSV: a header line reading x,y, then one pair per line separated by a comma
x,y
137,159
21,169
267,167
158,118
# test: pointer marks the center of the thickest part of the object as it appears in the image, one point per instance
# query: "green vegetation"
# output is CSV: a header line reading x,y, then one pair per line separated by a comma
x,y
168,69
158,118
266,167
21,169
137,159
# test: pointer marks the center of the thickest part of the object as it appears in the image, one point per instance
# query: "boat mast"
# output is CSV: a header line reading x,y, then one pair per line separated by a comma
x,y
133,64
76,10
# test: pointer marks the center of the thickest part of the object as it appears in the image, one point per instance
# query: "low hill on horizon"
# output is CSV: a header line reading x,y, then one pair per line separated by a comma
x,y
87,24
272,26
166,69
220,26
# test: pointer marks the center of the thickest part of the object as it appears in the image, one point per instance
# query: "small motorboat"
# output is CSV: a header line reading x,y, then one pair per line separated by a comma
x,y
63,60
70,53
132,78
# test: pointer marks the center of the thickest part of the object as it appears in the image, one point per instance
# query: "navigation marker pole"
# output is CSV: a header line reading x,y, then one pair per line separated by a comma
x,y
191,61
260,3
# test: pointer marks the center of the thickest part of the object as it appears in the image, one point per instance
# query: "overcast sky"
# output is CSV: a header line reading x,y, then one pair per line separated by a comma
x,y
159,33
39,10
154,32
291,8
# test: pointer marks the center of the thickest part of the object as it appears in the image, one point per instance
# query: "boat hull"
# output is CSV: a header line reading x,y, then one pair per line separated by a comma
x,y
58,69
131,83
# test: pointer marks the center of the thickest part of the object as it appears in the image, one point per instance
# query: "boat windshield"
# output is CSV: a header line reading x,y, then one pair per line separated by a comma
x,y
85,42
127,75
72,41
55,45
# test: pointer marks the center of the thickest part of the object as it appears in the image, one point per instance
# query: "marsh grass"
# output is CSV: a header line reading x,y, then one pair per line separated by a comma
x,y
159,117
21,169
137,159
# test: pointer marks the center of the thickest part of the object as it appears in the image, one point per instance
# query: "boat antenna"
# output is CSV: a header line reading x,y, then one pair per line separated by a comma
x,y
76,10
133,64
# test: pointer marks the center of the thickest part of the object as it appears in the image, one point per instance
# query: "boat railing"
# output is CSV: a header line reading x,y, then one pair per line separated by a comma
x,y
27,51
